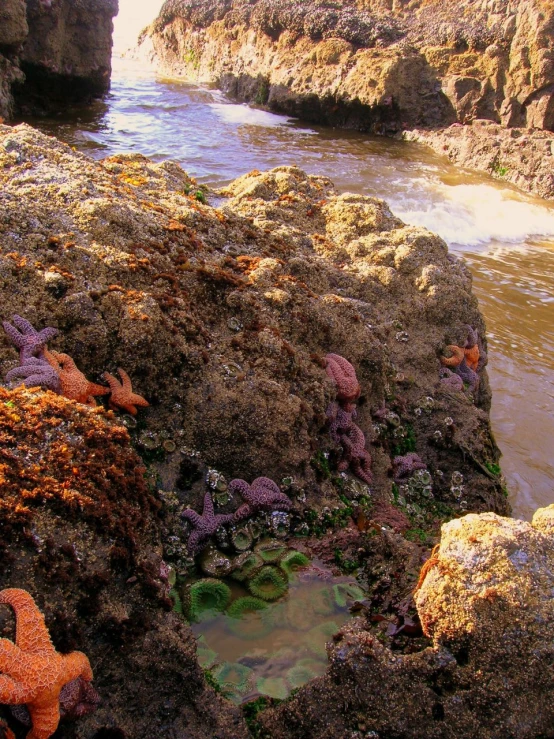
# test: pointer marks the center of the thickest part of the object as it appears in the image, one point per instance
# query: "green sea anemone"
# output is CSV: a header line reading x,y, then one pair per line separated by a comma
x,y
322,601
299,615
251,565
304,671
275,615
293,561
206,656
241,538
244,619
317,637
344,592
274,687
234,677
269,583
206,598
177,603
270,550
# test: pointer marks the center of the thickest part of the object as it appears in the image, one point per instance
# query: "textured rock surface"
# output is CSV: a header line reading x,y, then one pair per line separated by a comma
x,y
57,53
523,157
487,603
375,65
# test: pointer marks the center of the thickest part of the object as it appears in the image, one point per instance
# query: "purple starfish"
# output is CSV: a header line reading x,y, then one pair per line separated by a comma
x,y
343,373
26,338
35,371
351,437
451,380
204,525
262,495
405,466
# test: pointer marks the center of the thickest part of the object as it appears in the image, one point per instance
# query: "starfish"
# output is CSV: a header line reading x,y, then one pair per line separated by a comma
x,y
205,525
405,466
35,371
122,396
343,373
351,437
26,338
450,379
262,495
77,698
74,385
32,671
5,732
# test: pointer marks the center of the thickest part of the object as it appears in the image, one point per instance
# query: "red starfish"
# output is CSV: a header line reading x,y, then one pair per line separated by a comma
x,y
74,385
122,396
343,373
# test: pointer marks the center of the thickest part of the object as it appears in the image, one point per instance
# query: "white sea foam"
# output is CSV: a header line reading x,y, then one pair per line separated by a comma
x,y
242,114
469,215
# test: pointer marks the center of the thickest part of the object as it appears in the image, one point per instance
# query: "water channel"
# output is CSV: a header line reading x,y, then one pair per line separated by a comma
x,y
506,237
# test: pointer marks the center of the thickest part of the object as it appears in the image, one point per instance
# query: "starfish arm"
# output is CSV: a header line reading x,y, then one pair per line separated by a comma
x,y
10,657
243,512
95,389
12,692
45,720
457,356
25,327
48,333
208,511
31,632
113,382
13,334
240,486
74,665
52,358
138,400
193,543
125,380
192,516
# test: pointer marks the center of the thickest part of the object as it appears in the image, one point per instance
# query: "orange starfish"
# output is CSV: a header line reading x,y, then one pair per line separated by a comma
x,y
74,385
32,671
470,353
122,395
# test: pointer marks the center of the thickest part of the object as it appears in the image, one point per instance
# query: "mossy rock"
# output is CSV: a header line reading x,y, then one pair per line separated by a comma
x,y
252,564
240,623
234,677
293,561
317,637
345,592
270,550
207,598
274,687
269,583
304,671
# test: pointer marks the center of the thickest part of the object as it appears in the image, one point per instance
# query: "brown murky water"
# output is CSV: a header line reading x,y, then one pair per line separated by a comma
x,y
506,237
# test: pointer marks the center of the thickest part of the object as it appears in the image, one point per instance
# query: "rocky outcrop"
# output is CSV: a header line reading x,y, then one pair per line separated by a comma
x,y
373,66
222,316
53,53
486,602
524,157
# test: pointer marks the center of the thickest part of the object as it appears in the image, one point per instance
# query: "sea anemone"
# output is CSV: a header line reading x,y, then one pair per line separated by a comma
x,y
269,583
299,615
274,687
293,561
177,603
321,601
241,538
304,671
317,637
347,591
206,656
206,598
234,677
270,550
251,565
244,621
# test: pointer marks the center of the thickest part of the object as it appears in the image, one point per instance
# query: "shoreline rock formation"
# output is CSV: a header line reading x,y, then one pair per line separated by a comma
x,y
223,317
383,67
53,54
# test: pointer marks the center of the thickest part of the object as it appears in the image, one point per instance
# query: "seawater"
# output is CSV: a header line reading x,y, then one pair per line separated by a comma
x,y
506,237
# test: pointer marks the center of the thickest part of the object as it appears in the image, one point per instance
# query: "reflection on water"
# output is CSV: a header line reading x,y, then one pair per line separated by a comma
x,y
507,237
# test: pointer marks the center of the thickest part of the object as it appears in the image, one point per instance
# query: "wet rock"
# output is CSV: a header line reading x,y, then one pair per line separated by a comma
x,y
486,602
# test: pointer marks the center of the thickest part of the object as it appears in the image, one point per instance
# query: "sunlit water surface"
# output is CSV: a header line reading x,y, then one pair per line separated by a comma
x,y
506,237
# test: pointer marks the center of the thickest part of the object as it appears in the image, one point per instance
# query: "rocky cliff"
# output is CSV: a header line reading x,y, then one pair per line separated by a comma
x,y
372,65
53,52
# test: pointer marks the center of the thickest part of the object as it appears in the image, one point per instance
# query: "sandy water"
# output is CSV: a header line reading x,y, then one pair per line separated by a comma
x,y
506,237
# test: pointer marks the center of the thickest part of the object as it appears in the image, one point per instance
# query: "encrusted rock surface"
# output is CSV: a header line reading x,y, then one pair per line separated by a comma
x,y
53,53
524,157
379,64
487,603
222,315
